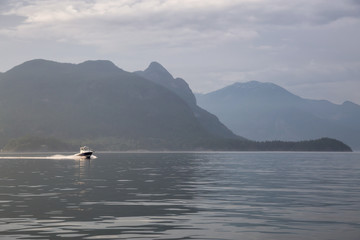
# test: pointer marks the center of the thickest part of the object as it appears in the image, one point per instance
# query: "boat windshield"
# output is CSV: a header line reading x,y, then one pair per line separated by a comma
x,y
85,149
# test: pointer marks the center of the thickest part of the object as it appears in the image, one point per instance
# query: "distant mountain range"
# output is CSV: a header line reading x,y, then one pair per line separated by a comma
x,y
45,103
265,111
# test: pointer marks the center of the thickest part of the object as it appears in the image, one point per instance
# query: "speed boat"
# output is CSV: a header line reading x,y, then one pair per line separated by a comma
x,y
85,152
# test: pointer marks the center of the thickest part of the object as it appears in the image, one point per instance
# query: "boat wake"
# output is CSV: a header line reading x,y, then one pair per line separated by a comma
x,y
55,157
58,157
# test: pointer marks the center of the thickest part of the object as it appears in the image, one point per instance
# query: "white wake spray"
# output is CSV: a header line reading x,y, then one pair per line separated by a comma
x,y
55,157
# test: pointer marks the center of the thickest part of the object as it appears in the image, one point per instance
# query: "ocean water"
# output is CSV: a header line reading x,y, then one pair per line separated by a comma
x,y
181,196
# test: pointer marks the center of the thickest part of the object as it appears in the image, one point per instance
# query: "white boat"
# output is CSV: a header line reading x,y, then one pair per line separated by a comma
x,y
85,152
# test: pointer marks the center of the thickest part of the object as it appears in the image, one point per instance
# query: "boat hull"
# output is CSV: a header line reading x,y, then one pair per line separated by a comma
x,y
84,154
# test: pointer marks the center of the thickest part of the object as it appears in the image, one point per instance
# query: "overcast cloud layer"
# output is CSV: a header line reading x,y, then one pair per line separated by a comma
x,y
310,47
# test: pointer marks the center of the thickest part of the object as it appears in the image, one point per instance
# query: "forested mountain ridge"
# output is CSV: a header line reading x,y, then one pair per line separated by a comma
x,y
45,103
159,75
92,100
265,111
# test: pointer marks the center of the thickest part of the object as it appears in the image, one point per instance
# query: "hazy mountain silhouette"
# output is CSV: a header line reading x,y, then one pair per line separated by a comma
x,y
45,104
92,100
159,75
265,111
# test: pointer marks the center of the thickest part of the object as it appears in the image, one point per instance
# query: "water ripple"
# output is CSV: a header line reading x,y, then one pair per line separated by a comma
x,y
182,196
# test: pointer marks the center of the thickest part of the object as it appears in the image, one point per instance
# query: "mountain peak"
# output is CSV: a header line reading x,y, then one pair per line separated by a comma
x,y
159,75
350,106
155,65
255,84
156,69
255,87
252,91
99,65
349,103
44,65
38,66
36,63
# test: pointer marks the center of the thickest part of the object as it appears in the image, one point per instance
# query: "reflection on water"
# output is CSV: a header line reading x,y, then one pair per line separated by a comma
x,y
182,196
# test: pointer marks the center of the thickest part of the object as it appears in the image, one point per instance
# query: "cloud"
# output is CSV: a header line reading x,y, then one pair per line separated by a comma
x,y
104,23
209,43
10,21
101,22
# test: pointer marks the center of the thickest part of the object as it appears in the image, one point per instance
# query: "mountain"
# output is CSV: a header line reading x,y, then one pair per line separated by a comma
x,y
93,101
265,111
49,106
159,75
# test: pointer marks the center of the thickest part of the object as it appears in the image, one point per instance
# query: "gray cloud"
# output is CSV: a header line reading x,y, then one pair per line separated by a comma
x,y
209,43
9,21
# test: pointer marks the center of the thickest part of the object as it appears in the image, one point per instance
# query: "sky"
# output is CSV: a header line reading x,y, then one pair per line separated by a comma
x,y
309,47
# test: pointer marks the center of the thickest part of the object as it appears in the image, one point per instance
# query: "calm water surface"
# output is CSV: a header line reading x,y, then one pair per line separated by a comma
x,y
181,196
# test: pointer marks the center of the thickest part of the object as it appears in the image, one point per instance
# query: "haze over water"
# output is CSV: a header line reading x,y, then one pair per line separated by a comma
x,y
181,196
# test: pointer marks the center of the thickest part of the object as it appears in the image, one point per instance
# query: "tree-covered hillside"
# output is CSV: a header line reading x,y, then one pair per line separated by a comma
x,y
91,101
45,103
265,111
